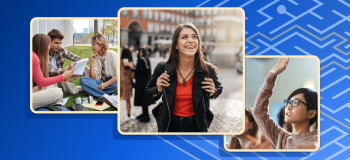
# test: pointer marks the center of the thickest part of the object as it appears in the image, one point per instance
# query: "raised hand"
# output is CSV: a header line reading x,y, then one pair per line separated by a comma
x,y
280,66
68,74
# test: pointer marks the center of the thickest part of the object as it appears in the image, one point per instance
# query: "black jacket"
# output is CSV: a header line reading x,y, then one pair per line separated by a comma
x,y
201,104
142,76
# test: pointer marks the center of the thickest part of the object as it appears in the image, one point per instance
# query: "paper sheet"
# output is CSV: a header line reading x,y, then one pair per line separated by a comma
x,y
65,101
80,66
93,106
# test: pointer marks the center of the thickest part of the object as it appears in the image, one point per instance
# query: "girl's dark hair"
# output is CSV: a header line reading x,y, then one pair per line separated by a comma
x,y
127,53
253,132
311,98
145,55
199,56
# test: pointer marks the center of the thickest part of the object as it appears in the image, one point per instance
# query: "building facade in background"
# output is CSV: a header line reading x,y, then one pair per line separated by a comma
x,y
65,26
140,27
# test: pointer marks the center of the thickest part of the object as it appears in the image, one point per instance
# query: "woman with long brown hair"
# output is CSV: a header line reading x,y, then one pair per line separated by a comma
x,y
187,83
126,66
45,90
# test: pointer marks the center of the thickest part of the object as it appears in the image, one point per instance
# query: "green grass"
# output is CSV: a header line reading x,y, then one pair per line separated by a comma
x,y
84,52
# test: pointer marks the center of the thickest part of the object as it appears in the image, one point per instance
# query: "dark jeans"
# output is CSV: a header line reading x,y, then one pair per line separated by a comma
x,y
183,124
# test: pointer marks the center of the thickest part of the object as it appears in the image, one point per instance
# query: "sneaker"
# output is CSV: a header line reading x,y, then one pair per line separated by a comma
x,y
130,118
109,100
81,89
114,98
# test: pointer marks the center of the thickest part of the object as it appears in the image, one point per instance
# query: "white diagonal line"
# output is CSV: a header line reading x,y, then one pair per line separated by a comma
x,y
331,70
246,3
215,145
199,147
348,120
220,4
341,93
177,147
203,3
291,1
335,82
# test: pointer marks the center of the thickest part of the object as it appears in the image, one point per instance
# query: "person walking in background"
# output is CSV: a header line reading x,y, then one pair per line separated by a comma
x,y
45,90
187,82
103,80
57,55
126,66
142,76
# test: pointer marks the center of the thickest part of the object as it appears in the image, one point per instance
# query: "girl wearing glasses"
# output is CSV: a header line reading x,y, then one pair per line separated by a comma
x,y
300,111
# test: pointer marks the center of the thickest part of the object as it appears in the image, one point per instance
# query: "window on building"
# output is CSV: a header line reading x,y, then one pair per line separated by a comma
x,y
167,28
150,27
125,12
144,14
178,19
209,12
197,12
202,12
162,16
156,15
168,17
182,19
173,18
215,12
222,12
208,32
135,13
209,21
201,31
172,29
162,27
156,27
150,15
186,11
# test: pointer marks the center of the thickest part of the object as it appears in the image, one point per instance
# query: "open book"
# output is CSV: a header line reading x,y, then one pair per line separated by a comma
x,y
80,66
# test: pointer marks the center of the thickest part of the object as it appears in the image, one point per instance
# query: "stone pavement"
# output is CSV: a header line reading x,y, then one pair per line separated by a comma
x,y
227,108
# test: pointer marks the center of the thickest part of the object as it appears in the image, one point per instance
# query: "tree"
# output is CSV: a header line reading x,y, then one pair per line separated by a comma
x,y
95,27
90,35
113,25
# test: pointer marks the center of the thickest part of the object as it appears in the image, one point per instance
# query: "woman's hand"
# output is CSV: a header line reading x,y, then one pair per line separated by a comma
x,y
100,87
71,66
280,66
93,57
209,86
67,74
162,81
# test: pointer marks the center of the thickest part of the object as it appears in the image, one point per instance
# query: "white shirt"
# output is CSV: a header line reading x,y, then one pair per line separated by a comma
x,y
111,60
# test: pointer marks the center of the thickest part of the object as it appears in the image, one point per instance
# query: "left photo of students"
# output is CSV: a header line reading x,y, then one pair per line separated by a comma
x,y
74,65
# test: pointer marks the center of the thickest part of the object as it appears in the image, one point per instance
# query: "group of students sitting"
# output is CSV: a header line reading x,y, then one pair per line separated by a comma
x,y
51,80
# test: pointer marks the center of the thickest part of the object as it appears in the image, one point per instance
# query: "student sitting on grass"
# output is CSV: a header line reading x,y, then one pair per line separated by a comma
x,y
45,90
57,56
103,73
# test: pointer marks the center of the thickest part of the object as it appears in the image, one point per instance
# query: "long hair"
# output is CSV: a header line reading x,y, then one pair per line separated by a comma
x,y
40,45
311,100
102,41
145,55
173,59
126,53
253,132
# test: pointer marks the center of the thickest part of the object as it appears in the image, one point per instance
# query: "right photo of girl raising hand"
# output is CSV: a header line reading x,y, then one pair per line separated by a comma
x,y
288,95
300,111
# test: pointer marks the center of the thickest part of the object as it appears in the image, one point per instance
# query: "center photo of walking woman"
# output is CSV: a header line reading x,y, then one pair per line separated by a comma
x,y
178,78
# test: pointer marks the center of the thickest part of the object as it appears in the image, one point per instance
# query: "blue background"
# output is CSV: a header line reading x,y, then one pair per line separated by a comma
x,y
25,135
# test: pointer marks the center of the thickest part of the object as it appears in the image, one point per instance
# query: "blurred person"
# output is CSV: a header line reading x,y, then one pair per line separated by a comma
x,y
103,80
57,55
205,51
142,76
300,110
251,129
186,84
126,83
45,90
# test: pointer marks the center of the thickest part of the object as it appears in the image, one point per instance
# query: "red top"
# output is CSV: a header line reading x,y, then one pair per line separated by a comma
x,y
38,76
183,99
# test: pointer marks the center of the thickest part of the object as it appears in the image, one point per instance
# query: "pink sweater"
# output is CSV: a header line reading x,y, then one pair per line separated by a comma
x,y
279,137
39,77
